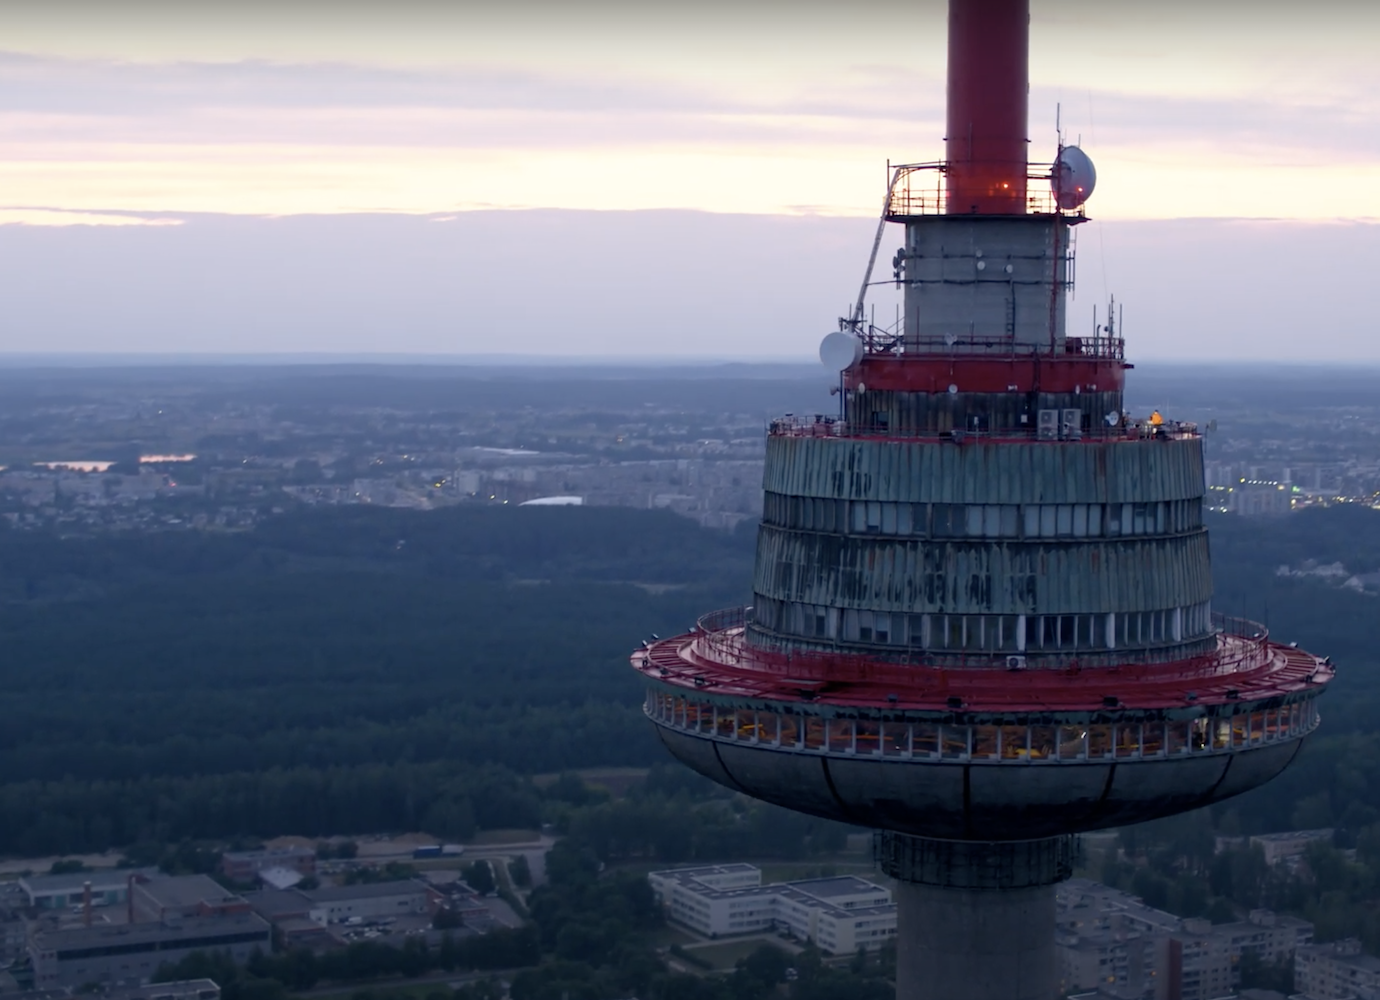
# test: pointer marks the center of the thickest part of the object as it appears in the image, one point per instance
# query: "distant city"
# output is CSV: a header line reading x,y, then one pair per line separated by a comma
x,y
112,451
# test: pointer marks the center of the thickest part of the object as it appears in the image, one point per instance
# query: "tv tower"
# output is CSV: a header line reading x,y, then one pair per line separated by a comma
x,y
981,619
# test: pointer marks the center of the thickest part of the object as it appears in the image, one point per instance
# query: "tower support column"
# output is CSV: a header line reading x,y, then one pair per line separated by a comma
x,y
975,920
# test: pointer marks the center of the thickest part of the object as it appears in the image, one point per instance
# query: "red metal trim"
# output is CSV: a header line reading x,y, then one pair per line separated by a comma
x,y
1009,373
718,660
989,54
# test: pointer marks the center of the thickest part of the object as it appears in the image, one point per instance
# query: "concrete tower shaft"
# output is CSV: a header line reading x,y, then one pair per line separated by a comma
x,y
989,45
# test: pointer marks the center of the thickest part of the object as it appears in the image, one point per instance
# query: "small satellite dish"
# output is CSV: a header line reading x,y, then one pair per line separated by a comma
x,y
950,339
1111,418
840,351
860,388
953,389
1073,177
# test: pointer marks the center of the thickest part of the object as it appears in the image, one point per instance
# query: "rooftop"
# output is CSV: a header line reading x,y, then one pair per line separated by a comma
x,y
101,879
148,933
188,890
372,890
831,888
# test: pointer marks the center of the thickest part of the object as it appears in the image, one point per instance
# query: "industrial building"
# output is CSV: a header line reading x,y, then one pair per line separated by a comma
x,y
981,616
839,915
132,953
157,900
108,886
339,903
245,866
336,904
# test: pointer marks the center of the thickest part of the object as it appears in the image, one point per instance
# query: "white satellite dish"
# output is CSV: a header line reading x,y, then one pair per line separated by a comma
x,y
1073,177
840,351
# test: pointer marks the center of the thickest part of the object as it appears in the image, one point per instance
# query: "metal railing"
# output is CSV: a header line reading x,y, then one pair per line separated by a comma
x,y
722,639
919,189
890,343
821,426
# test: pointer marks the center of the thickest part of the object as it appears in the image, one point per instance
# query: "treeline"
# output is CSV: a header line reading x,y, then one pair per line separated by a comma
x,y
673,816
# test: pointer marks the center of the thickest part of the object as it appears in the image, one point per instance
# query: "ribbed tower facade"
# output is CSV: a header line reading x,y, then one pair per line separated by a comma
x,y
982,599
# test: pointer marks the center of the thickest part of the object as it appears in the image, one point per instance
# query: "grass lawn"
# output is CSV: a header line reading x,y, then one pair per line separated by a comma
x,y
490,838
725,955
668,935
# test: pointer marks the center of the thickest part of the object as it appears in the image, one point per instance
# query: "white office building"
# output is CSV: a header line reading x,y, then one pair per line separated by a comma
x,y
840,915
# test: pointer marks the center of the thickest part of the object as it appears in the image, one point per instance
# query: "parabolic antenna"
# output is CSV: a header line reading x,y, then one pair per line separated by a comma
x,y
1073,177
840,351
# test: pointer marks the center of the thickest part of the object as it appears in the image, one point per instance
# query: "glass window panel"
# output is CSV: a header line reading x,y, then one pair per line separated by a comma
x,y
1042,742
874,516
1285,720
1257,727
926,737
1065,525
840,735
767,723
904,522
895,739
868,736
1272,724
814,732
678,712
954,742
1048,519
991,520
1099,741
1095,519
747,725
1013,740
1240,730
1080,520
706,718
1010,520
1030,514
857,519
790,730
1072,742
1068,631
1152,739
1221,734
888,519
724,722
1178,738
973,517
984,742
1128,739
1198,735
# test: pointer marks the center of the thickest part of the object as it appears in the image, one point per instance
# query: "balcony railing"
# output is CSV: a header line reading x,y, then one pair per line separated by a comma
x,y
821,426
889,343
919,189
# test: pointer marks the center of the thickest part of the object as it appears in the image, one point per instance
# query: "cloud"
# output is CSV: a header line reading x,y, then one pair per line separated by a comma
x,y
66,217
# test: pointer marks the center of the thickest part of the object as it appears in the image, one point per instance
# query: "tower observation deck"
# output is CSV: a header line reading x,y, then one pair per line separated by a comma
x,y
982,618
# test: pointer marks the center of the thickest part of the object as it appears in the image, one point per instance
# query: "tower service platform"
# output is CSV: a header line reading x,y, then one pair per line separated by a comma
x,y
981,617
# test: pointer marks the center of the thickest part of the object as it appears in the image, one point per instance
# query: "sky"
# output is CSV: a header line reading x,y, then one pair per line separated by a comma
x,y
207,124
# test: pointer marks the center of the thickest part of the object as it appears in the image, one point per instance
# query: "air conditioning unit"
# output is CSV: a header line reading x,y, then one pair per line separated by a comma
x,y
1015,663
1047,425
1072,426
